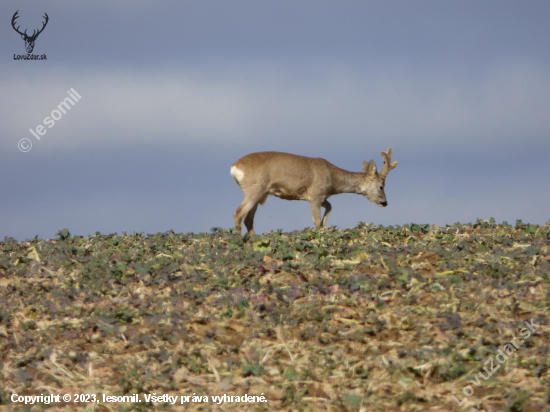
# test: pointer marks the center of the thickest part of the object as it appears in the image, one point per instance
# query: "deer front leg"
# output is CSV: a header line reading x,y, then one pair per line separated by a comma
x,y
316,211
328,208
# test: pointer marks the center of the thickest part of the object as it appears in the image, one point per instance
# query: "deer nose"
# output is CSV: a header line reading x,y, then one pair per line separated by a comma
x,y
384,203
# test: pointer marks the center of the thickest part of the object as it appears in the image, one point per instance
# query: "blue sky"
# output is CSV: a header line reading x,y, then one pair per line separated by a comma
x,y
174,92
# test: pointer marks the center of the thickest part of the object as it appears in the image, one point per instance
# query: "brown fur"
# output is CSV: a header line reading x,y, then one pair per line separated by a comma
x,y
293,177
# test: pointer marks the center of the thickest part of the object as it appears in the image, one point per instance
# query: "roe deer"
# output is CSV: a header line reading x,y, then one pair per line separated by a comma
x,y
292,177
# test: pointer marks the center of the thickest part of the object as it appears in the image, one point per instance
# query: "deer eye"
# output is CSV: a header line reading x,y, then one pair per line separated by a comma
x,y
381,188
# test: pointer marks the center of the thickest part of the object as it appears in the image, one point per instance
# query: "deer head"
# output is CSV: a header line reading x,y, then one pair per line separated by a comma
x,y
29,40
375,182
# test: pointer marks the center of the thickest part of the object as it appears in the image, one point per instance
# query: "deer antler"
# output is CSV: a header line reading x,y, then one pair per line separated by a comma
x,y
387,164
34,33
44,25
15,16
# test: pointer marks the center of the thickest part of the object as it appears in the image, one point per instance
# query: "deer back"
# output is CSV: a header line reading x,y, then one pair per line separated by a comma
x,y
284,175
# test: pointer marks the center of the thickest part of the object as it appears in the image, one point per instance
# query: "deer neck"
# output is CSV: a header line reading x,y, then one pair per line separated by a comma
x,y
348,182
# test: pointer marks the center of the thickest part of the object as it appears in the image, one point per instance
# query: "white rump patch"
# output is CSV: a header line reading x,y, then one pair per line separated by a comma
x,y
237,174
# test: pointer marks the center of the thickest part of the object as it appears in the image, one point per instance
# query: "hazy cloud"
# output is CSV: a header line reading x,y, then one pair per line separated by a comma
x,y
262,103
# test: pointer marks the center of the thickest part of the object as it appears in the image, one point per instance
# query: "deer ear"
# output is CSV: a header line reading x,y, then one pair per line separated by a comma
x,y
369,167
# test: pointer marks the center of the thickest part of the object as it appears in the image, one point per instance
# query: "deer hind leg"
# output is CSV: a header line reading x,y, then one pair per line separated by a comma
x,y
249,220
247,210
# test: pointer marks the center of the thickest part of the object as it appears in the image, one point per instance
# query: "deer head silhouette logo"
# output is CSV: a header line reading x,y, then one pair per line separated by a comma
x,y
29,40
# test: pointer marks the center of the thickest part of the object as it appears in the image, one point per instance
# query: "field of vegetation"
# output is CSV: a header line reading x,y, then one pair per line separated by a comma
x,y
406,318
